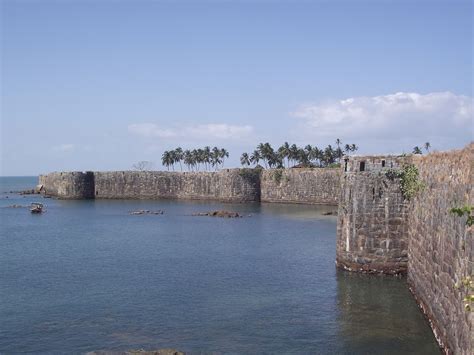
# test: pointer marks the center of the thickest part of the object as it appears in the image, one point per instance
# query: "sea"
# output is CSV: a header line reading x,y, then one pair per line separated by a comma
x,y
88,276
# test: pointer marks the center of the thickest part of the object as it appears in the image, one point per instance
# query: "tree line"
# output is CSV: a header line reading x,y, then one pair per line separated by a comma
x,y
290,155
196,159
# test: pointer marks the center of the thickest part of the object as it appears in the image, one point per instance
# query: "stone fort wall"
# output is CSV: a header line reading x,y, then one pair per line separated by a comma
x,y
380,232
372,220
309,186
441,246
225,185
69,185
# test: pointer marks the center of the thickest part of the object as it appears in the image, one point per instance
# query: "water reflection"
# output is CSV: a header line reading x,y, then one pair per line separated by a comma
x,y
377,314
320,212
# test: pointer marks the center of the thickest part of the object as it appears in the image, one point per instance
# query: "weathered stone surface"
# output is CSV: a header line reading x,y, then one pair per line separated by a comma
x,y
68,185
441,247
309,186
372,234
379,231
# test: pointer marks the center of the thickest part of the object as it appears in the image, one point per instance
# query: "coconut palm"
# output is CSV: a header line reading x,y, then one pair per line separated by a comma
x,y
223,154
166,159
245,159
216,157
255,157
188,159
417,150
284,152
427,146
293,155
178,155
303,157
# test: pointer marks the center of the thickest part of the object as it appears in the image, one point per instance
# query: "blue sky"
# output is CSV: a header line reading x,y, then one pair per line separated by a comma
x,y
100,85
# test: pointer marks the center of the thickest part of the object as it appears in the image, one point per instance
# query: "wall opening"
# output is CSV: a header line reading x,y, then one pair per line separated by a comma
x,y
383,163
362,166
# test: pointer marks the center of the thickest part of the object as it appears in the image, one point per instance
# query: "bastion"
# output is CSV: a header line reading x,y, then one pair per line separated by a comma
x,y
381,231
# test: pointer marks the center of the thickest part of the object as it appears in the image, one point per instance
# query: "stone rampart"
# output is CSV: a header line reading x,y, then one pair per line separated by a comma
x,y
380,231
68,185
224,185
441,247
309,186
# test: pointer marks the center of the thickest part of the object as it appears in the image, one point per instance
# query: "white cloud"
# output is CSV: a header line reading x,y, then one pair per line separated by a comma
x,y
204,131
64,148
400,115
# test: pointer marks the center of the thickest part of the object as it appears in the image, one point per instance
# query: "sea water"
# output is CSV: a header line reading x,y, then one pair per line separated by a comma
x,y
87,275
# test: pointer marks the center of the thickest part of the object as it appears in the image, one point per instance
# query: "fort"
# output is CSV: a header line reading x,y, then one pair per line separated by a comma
x,y
379,230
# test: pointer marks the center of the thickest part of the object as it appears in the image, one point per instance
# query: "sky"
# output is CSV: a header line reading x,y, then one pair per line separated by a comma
x,y
101,85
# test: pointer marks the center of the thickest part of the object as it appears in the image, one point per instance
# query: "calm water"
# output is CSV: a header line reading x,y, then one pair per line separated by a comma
x,y
86,276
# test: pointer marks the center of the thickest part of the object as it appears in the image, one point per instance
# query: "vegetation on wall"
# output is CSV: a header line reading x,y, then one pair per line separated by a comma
x,y
277,175
410,183
464,211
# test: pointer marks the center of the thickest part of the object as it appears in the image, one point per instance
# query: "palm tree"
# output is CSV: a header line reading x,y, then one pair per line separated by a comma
x,y
223,154
207,157
347,148
303,157
245,159
354,148
417,150
255,157
427,146
178,153
166,159
284,152
188,159
293,154
216,157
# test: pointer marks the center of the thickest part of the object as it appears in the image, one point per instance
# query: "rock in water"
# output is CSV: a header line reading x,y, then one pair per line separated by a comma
x,y
220,213
138,352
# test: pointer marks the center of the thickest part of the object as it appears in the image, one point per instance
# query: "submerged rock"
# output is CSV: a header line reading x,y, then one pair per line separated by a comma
x,y
28,192
139,212
138,352
223,214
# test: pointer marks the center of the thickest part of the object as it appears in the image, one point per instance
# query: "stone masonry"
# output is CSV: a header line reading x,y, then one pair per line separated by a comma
x,y
310,186
441,247
372,229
